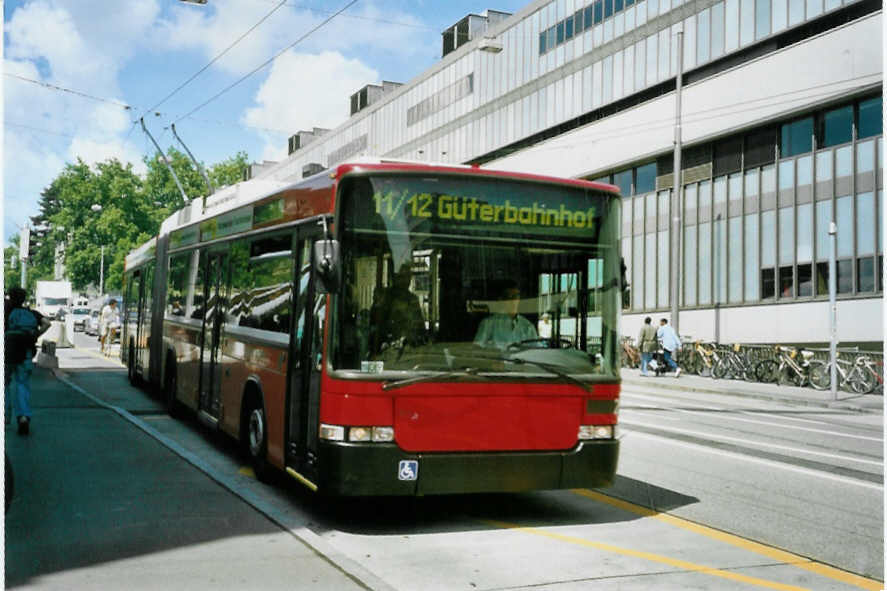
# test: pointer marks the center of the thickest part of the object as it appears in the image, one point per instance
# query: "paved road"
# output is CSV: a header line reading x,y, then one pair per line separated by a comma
x,y
574,539
807,479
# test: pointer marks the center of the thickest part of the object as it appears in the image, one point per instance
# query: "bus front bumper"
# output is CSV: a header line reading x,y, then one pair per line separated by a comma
x,y
366,469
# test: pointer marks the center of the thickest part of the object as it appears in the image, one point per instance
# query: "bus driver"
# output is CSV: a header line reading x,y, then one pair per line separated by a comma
x,y
506,327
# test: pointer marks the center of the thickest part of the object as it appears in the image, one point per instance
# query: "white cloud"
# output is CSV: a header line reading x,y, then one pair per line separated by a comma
x,y
212,31
282,103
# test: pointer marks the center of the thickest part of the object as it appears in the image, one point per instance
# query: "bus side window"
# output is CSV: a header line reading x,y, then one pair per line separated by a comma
x,y
303,270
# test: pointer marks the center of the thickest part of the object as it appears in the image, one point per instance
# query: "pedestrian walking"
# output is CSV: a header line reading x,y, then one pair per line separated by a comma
x,y
647,343
108,324
21,329
670,343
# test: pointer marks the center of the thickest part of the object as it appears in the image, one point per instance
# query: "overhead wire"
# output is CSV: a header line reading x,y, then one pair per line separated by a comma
x,y
216,58
270,60
357,16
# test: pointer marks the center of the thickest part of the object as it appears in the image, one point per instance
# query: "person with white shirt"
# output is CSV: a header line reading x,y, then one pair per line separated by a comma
x,y
671,343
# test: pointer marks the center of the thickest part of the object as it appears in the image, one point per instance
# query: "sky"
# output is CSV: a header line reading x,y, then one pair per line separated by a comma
x,y
79,75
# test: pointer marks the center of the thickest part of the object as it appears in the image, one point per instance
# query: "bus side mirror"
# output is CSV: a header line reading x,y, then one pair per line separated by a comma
x,y
326,265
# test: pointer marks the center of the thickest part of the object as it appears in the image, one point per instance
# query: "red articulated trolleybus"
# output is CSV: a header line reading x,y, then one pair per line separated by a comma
x,y
391,328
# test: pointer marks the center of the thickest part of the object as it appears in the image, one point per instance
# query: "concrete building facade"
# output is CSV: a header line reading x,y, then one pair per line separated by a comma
x,y
782,134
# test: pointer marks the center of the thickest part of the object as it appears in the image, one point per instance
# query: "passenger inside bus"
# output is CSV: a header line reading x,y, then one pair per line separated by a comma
x,y
396,314
506,326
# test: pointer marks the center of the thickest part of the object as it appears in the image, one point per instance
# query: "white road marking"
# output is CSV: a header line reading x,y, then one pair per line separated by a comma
x,y
760,422
781,465
749,442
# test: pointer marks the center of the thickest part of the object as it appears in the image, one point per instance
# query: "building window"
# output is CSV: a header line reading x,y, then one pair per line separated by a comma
x,y
836,126
690,266
704,263
735,260
865,224
865,274
645,180
762,18
845,276
797,137
560,32
821,278
751,257
568,26
768,283
786,282
608,8
702,37
870,118
623,181
542,47
598,11
805,280
844,219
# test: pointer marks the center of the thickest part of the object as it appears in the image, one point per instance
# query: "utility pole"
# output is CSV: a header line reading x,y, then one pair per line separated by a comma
x,y
102,273
833,307
24,245
677,194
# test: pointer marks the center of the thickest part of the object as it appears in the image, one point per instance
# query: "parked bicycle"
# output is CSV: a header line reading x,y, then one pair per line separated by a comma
x,y
631,357
788,367
733,364
700,358
859,376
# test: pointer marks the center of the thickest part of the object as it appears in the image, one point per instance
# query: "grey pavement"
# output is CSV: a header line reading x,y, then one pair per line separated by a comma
x,y
868,403
101,504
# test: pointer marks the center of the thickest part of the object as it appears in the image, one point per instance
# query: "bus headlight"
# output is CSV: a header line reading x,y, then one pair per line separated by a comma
x,y
383,434
359,433
332,432
356,434
596,432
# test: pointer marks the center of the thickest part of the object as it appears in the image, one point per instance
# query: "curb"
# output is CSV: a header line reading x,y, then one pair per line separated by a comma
x,y
845,405
357,573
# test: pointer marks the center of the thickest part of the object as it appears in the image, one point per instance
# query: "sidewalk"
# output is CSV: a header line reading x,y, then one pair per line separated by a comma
x,y
868,403
101,504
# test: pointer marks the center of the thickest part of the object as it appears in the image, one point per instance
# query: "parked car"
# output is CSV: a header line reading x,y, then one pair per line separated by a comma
x,y
92,326
81,318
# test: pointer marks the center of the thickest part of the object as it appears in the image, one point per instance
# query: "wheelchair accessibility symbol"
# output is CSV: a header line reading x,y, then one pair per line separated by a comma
x,y
408,470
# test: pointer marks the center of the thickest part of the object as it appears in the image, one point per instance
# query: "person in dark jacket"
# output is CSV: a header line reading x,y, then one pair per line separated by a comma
x,y
22,328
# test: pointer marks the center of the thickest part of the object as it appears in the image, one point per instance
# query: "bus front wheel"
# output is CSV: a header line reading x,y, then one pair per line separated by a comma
x,y
256,440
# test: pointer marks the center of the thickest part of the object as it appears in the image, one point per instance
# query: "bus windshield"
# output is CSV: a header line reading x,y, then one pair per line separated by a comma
x,y
477,278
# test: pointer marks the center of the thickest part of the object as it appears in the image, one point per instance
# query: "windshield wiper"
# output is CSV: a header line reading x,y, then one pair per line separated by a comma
x,y
550,368
464,372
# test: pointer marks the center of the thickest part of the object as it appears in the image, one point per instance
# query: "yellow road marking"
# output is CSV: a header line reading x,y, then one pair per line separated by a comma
x,y
247,471
681,564
769,551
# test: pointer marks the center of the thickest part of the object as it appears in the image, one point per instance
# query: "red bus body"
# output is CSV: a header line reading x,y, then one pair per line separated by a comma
x,y
195,327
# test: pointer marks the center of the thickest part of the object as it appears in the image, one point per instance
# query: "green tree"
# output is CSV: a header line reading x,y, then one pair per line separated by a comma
x,y
108,205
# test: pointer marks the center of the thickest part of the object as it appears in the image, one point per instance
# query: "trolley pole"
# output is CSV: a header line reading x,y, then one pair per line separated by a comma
x,y
833,307
677,194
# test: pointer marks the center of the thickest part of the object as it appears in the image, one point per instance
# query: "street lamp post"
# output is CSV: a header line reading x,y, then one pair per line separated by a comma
x,y
833,307
97,209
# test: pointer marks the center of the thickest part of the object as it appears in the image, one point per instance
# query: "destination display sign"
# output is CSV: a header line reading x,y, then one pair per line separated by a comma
x,y
475,206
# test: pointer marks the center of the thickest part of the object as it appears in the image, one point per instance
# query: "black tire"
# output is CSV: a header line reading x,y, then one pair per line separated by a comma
x,y
862,381
791,378
722,369
131,366
256,436
767,371
169,390
820,375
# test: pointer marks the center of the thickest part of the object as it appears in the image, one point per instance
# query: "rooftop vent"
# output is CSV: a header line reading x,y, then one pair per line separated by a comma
x,y
472,27
370,93
256,168
303,138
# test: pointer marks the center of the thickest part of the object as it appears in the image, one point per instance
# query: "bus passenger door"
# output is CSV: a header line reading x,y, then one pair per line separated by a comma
x,y
144,326
216,289
303,396
131,323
